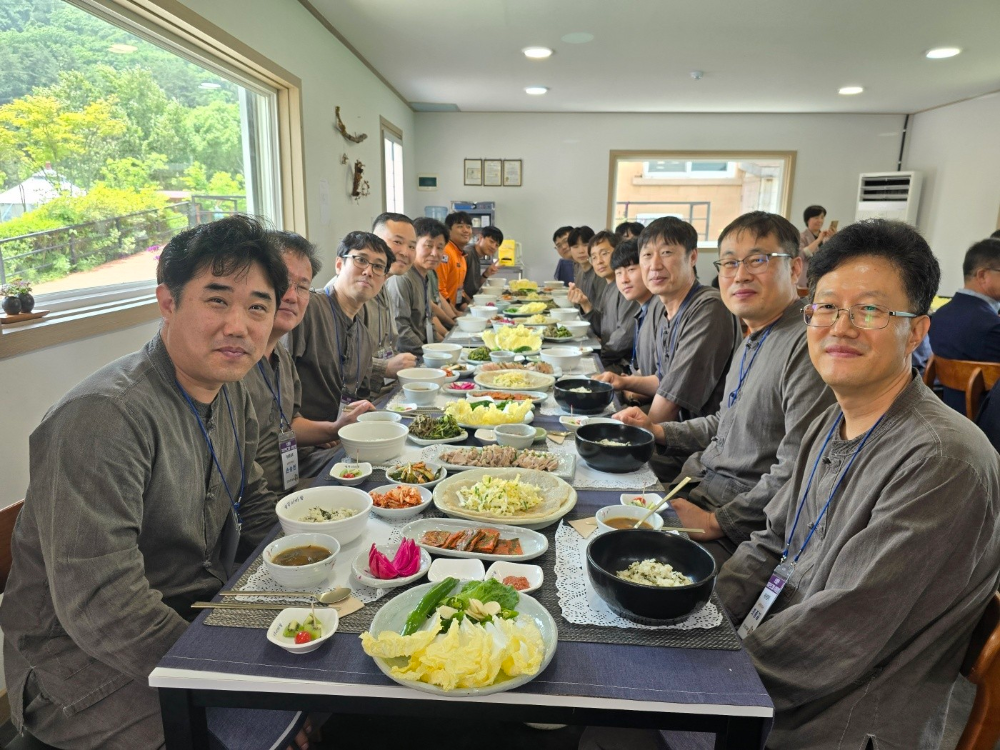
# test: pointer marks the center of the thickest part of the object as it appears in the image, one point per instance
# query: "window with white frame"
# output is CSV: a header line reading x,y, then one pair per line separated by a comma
x,y
111,142
392,168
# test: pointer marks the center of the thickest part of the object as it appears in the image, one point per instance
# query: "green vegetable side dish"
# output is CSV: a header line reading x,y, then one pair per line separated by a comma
x,y
427,605
556,331
429,428
501,405
522,349
480,354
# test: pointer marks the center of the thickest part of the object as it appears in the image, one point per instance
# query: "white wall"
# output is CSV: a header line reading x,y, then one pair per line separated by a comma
x,y
565,161
958,151
331,76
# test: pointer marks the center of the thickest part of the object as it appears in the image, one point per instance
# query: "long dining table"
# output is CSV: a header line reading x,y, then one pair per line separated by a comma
x,y
600,680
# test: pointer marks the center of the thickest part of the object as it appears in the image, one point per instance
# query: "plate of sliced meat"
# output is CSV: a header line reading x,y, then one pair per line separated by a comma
x,y
502,457
451,537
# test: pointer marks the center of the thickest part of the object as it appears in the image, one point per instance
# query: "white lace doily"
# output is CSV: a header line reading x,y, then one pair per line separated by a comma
x,y
581,605
378,531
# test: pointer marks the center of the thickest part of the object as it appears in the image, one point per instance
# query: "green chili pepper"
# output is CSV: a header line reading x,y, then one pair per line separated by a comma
x,y
427,605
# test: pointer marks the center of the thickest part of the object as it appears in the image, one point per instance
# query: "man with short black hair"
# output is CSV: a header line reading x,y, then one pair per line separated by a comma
x,y
482,251
144,485
410,294
741,455
564,268
628,279
331,348
879,580
968,327
584,277
451,271
629,230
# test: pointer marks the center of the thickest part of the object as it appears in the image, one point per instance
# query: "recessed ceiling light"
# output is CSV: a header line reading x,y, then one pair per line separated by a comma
x,y
578,37
942,52
850,90
537,53
210,85
536,90
125,49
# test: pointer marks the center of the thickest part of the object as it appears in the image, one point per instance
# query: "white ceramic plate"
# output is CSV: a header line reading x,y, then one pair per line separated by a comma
x,y
460,437
650,499
363,574
536,396
467,569
327,617
528,419
426,485
533,544
501,569
566,469
393,615
402,514
558,339
449,391
536,381
547,481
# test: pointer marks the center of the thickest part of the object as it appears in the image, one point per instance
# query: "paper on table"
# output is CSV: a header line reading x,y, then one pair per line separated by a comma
x,y
586,526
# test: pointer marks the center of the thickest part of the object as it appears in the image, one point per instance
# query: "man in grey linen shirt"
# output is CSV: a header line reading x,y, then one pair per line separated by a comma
x,y
274,385
744,453
584,277
397,231
697,334
483,250
410,294
599,251
861,648
127,518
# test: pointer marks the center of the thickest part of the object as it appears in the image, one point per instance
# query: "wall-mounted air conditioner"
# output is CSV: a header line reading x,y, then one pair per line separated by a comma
x,y
889,195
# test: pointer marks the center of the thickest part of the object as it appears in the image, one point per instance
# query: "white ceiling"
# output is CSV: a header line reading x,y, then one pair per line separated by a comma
x,y
763,56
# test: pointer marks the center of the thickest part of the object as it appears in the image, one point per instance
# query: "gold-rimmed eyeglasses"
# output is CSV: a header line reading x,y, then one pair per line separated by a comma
x,y
755,264
867,316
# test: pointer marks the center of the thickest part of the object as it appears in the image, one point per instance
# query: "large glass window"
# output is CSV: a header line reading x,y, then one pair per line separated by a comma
x,y
708,189
111,144
392,168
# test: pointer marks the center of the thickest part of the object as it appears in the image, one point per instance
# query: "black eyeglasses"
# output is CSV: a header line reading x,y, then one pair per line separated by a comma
x,y
868,317
361,262
755,264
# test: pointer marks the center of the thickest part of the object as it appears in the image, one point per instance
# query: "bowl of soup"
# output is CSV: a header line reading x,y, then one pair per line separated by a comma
x,y
301,561
616,448
615,517
650,577
339,512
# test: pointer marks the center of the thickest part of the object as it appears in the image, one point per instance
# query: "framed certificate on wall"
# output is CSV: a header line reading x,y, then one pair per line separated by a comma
x,y
512,173
473,171
493,172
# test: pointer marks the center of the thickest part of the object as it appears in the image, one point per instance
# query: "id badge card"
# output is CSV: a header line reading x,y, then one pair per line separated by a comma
x,y
230,541
289,451
767,597
345,405
430,331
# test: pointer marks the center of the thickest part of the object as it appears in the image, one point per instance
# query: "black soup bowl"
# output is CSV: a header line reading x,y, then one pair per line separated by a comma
x,y
594,401
650,605
617,459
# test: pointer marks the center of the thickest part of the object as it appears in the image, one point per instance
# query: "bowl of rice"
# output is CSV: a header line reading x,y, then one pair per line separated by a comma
x,y
616,448
581,395
650,577
340,512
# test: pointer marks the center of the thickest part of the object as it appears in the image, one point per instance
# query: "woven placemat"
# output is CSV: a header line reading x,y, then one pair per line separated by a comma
x,y
722,637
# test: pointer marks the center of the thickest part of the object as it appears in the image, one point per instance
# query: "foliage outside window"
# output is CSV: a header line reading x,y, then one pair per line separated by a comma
x,y
392,169
109,145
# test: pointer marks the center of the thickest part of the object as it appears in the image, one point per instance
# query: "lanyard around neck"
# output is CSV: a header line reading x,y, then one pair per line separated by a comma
x,y
275,393
675,329
840,479
211,448
744,373
342,352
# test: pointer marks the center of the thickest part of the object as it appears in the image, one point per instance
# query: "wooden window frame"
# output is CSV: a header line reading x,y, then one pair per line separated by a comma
x,y
387,127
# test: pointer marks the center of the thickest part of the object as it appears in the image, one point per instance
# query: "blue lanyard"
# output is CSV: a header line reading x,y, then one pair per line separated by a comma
x,y
743,374
676,328
211,448
342,353
284,424
840,479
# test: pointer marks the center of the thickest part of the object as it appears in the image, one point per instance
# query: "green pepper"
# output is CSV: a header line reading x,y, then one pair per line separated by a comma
x,y
427,605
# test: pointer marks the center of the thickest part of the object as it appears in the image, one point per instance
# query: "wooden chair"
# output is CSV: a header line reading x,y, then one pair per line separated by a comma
x,y
8,516
982,668
972,378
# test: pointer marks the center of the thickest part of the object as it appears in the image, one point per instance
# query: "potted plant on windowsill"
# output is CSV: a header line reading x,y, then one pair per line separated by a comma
x,y
17,297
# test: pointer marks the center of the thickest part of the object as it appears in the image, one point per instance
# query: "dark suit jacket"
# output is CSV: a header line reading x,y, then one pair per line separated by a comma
x,y
965,328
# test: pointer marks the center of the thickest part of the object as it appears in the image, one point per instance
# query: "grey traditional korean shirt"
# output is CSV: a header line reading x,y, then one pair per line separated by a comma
x,y
473,272
333,356
121,529
596,315
377,317
276,393
744,453
410,295
617,326
587,282
694,351
647,335
868,635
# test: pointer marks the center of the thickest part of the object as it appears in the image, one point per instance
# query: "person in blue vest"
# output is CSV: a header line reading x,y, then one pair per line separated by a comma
x,y
968,327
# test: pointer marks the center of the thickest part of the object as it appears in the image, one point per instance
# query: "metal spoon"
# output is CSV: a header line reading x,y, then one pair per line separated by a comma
x,y
327,597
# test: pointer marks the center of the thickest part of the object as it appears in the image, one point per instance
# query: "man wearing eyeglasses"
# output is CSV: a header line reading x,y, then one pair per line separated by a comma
x,y
564,267
331,348
411,294
883,547
968,327
275,388
744,453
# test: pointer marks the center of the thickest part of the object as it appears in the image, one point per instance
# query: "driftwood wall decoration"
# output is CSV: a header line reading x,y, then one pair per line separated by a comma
x,y
359,186
352,137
